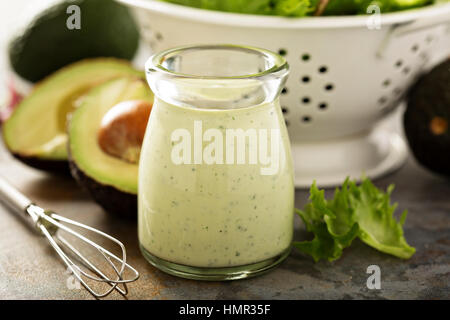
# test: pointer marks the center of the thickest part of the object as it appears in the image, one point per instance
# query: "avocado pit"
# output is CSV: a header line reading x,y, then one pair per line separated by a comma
x,y
122,129
438,126
112,182
36,132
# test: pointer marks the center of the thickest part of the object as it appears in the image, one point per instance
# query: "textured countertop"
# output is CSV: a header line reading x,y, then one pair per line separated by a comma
x,y
29,269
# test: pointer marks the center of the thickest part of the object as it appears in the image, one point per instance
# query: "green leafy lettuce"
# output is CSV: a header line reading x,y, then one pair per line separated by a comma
x,y
301,8
361,211
346,7
295,8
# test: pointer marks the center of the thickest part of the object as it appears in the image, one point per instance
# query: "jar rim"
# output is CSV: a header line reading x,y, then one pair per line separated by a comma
x,y
277,62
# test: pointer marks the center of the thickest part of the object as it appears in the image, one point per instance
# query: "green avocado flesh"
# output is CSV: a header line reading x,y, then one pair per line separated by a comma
x,y
85,153
37,128
106,29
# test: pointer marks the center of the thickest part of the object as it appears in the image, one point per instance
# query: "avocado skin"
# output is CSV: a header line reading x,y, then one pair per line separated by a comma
x,y
59,167
428,98
107,30
112,200
56,166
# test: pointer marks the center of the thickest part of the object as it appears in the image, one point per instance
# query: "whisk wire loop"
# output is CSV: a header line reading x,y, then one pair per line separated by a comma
x,y
50,225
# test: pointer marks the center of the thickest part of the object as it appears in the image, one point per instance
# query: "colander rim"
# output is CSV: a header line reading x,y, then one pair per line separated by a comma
x,y
250,20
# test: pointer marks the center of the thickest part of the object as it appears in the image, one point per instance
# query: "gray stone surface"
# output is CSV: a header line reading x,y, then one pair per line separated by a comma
x,y
30,270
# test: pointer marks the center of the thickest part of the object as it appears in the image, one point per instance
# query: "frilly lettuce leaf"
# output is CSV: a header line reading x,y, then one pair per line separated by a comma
x,y
340,7
333,229
293,8
355,211
288,8
375,216
301,8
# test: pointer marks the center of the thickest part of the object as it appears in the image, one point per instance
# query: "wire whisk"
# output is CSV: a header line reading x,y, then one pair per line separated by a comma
x,y
53,226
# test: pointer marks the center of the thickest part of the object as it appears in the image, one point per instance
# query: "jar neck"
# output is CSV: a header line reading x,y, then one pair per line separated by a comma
x,y
217,94
217,76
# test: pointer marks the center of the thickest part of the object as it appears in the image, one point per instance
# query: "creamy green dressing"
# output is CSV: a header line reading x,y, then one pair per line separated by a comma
x,y
213,215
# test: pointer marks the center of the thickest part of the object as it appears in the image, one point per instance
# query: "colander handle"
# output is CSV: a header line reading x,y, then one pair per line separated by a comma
x,y
418,25
405,28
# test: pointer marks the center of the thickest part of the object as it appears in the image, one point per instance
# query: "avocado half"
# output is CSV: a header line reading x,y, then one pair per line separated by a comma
x,y
53,40
111,181
427,119
36,131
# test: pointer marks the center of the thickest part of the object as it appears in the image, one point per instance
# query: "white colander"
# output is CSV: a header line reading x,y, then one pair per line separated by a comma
x,y
345,76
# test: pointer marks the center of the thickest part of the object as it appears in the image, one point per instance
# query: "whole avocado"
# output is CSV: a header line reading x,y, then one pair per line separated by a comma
x,y
107,29
427,119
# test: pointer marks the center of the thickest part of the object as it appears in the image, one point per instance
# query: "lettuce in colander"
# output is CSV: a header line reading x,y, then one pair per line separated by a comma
x,y
301,8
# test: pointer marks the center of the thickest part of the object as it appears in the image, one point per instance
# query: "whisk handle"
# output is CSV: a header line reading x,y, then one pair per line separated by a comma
x,y
12,197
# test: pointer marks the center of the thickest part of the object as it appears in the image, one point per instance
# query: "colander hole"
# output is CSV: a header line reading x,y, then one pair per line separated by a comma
x,y
386,82
406,70
397,91
323,106
284,91
382,100
323,69
387,109
329,87
306,119
429,39
415,48
306,100
399,63
282,52
284,110
423,56
286,122
159,36
305,57
306,79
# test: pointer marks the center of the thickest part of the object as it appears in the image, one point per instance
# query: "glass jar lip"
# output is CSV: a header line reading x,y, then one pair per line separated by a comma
x,y
154,63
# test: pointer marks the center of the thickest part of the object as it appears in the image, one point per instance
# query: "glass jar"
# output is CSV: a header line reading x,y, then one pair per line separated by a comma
x,y
216,191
